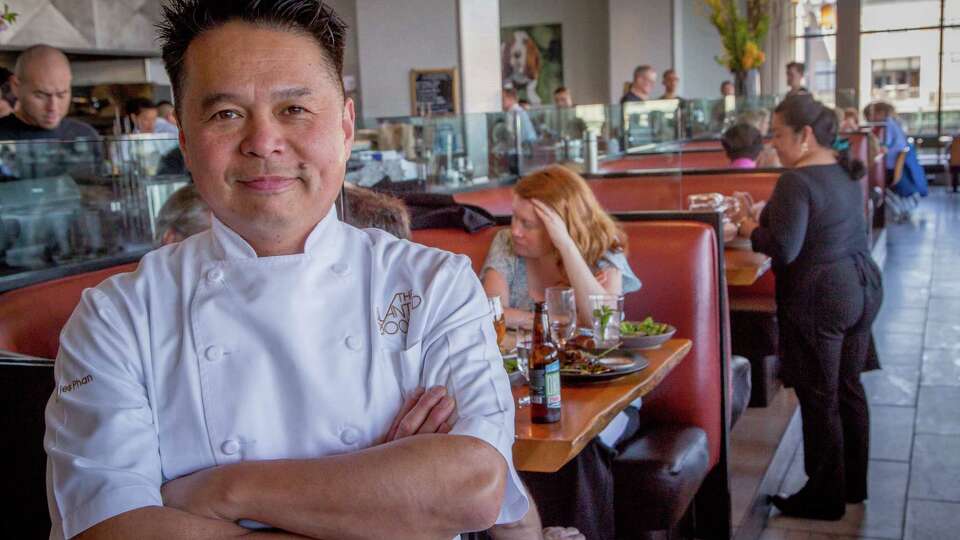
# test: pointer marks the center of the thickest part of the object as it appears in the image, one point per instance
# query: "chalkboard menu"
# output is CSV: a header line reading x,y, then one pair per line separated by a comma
x,y
434,91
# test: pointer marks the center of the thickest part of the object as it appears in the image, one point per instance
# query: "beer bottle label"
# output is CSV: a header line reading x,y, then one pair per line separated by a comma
x,y
538,385
552,383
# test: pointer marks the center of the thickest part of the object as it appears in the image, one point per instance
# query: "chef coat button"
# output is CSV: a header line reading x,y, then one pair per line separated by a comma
x,y
340,268
214,353
215,275
349,435
230,447
354,343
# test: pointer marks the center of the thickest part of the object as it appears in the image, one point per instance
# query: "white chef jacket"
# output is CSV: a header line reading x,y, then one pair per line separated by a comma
x,y
208,355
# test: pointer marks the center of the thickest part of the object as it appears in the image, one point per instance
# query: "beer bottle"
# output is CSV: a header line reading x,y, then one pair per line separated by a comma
x,y
544,371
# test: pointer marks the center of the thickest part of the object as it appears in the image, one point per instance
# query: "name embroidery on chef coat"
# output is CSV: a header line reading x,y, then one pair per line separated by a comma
x,y
397,317
73,385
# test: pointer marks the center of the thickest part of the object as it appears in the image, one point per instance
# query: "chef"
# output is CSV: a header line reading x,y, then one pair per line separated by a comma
x,y
266,371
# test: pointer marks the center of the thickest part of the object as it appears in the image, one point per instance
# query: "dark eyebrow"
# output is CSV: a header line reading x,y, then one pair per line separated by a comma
x,y
290,93
213,99
287,93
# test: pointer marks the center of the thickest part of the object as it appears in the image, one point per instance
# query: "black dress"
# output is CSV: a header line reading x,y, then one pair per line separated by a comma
x,y
828,292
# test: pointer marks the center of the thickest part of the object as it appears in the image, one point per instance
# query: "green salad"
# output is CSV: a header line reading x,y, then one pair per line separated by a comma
x,y
648,327
510,364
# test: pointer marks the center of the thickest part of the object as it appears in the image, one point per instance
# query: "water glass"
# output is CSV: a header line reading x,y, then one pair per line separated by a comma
x,y
562,313
605,318
524,342
499,322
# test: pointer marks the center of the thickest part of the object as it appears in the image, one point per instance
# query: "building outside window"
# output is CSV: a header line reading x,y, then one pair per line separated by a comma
x,y
910,57
814,36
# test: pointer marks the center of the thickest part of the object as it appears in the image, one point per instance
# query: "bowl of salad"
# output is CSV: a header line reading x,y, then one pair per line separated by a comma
x,y
646,334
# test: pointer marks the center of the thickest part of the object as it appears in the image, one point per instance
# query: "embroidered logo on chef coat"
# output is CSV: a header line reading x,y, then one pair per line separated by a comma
x,y
397,318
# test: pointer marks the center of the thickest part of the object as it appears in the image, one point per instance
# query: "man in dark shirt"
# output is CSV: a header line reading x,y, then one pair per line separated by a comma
x,y
795,75
41,82
644,80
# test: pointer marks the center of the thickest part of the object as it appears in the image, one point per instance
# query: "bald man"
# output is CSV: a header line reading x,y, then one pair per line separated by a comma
x,y
41,82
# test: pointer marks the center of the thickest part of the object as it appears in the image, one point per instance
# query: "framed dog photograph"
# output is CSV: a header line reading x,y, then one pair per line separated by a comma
x,y
531,59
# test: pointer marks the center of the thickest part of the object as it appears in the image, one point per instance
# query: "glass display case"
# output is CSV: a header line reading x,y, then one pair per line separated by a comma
x,y
68,206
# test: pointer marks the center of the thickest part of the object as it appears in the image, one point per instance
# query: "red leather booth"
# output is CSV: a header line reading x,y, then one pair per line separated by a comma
x,y
31,318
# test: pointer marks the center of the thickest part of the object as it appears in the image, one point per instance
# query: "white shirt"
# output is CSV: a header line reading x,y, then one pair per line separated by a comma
x,y
209,355
162,126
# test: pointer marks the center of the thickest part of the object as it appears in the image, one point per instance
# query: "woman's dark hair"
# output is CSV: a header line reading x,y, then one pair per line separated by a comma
x,y
185,20
742,141
801,110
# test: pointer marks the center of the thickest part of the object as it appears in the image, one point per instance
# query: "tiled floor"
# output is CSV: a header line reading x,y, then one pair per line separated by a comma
x,y
915,399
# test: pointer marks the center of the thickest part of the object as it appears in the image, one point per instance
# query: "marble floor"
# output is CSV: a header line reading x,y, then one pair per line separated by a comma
x,y
914,477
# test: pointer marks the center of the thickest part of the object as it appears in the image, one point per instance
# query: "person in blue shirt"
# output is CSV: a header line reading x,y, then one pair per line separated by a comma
x,y
895,141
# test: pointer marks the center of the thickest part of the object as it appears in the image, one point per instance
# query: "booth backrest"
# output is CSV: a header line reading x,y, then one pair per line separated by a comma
x,y
642,192
677,263
669,160
475,245
498,200
31,318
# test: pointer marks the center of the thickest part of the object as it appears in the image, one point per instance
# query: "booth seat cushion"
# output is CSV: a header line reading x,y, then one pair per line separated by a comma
x,y
638,193
656,476
31,318
741,384
677,263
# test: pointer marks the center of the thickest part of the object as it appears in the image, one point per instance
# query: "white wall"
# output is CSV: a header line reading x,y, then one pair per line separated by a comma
x,y
480,80
700,74
585,28
395,37
347,11
640,33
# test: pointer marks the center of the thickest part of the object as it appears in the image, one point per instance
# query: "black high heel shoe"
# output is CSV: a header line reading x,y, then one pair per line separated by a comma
x,y
801,507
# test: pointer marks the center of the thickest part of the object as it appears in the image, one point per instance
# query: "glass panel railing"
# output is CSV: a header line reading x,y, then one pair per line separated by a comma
x,y
69,203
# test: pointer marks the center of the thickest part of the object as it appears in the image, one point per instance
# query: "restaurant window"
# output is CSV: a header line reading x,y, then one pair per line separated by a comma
x,y
910,57
896,78
814,28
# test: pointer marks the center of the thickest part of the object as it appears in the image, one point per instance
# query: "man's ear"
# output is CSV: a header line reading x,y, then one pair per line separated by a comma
x,y
15,86
183,148
348,123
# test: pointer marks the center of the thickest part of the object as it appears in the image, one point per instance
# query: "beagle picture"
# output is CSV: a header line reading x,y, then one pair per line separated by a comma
x,y
520,61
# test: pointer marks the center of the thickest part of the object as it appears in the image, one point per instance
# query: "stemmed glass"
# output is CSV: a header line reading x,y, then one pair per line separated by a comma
x,y
562,312
499,322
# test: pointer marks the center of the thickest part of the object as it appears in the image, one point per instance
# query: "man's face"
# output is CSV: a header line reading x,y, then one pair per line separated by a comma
x,y
794,78
264,130
43,92
670,82
563,99
146,121
727,89
646,81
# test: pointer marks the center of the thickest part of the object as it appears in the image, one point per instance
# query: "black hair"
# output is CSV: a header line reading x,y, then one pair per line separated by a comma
x,y
742,141
799,66
801,110
185,20
138,104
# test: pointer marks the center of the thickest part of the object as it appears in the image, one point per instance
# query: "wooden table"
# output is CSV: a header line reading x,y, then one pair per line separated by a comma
x,y
744,267
587,409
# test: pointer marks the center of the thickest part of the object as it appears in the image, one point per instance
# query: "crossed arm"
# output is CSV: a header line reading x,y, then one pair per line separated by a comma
x,y
428,486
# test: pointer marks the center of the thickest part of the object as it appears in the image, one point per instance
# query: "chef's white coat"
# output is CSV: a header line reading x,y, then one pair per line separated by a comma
x,y
209,355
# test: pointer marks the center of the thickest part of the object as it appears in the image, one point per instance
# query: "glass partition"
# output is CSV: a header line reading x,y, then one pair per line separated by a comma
x,y
73,203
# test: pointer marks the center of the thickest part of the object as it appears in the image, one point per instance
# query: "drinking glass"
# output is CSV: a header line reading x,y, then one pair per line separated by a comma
x,y
499,322
605,319
562,312
524,341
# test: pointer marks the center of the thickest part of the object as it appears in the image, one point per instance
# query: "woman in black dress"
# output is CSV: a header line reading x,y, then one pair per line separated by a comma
x,y
828,293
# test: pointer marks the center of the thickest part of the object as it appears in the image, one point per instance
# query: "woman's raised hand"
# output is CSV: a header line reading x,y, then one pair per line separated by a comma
x,y
556,227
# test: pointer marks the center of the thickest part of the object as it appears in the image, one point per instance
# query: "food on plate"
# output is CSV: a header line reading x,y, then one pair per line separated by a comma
x,y
648,327
510,364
